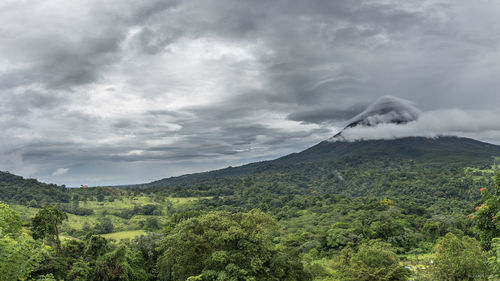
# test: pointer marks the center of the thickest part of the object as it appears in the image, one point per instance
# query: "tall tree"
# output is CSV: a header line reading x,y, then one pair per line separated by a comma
x,y
45,225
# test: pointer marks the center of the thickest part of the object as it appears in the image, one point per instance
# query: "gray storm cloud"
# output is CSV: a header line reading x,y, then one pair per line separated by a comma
x,y
132,91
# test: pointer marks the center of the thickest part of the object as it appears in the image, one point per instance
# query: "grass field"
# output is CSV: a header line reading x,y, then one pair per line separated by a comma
x,y
118,204
478,174
130,202
109,209
124,234
26,212
123,228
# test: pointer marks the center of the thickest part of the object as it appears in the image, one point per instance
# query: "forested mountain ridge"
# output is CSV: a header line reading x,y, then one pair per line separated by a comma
x,y
435,150
328,157
15,188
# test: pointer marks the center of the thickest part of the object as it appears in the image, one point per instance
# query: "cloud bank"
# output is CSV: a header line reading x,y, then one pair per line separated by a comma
x,y
446,122
131,91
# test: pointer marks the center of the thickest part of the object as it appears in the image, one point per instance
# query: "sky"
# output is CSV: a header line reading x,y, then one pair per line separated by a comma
x,y
121,92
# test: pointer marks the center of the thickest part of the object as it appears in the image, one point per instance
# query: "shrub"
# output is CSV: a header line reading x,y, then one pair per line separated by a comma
x,y
373,261
459,259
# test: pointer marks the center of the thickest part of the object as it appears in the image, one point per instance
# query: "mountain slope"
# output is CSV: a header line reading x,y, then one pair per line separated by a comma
x,y
338,153
438,152
442,149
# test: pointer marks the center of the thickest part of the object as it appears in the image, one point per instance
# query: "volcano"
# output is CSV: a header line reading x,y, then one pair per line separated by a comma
x,y
337,151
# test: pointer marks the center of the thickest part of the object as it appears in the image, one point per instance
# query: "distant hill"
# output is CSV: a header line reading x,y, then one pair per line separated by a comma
x,y
20,190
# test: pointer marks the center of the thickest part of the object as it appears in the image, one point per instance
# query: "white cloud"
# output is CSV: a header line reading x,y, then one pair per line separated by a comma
x,y
60,172
455,122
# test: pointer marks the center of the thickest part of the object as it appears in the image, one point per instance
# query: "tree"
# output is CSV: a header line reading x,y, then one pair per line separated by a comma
x,y
73,250
45,225
19,253
10,222
460,259
80,271
152,224
340,234
105,226
494,261
96,246
147,248
100,197
118,265
487,214
226,246
373,261
46,277
52,263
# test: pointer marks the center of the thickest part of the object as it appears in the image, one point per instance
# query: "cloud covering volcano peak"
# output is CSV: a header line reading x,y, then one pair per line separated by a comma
x,y
391,117
385,110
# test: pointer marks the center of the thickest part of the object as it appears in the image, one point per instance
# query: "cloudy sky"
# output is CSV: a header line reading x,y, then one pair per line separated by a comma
x,y
121,91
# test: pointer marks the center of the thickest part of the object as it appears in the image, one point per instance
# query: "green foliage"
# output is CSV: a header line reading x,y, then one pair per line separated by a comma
x,y
16,189
118,265
459,258
20,255
494,261
46,224
104,226
96,247
340,235
373,261
147,210
10,222
73,250
148,248
178,217
151,224
52,263
487,213
80,271
225,246
46,277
